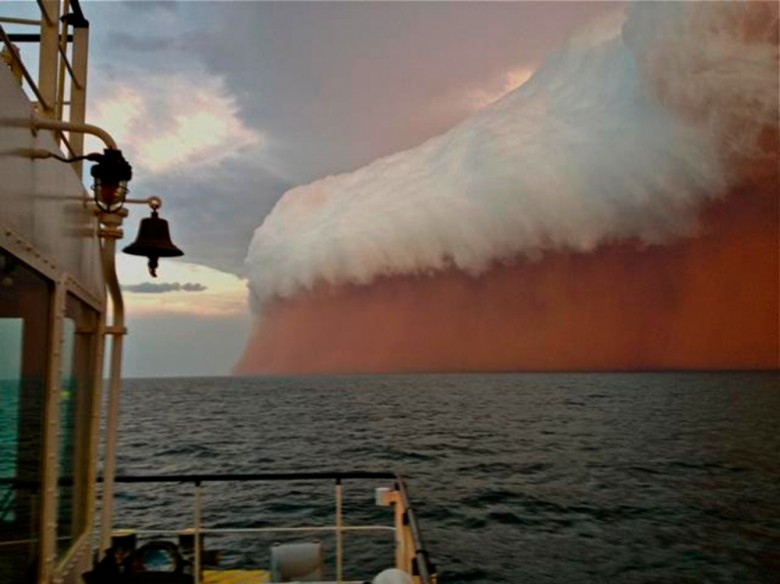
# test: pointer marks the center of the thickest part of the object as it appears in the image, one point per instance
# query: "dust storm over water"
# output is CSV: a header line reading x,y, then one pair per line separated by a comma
x,y
686,306
618,211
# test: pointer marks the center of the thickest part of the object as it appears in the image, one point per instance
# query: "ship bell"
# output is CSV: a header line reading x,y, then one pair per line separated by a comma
x,y
154,242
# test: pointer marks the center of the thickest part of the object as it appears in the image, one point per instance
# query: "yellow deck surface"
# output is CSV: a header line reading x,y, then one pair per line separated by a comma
x,y
236,576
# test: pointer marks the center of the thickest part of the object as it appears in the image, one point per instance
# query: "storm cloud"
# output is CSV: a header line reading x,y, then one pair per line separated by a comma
x,y
328,87
618,211
622,134
162,288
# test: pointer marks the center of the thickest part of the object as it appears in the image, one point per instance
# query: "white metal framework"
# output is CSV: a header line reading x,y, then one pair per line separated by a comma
x,y
34,203
59,104
61,86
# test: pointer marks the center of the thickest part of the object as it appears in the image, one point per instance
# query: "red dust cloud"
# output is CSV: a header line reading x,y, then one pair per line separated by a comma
x,y
709,302
705,300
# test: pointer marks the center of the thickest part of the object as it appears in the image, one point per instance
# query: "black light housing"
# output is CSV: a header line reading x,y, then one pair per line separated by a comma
x,y
111,174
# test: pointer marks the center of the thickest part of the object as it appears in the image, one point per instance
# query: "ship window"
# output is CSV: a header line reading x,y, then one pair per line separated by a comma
x,y
25,298
75,408
10,361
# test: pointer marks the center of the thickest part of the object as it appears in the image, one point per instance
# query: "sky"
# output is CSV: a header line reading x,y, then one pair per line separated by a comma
x,y
221,107
605,215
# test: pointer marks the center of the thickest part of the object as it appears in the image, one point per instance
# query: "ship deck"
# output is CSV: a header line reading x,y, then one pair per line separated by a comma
x,y
236,577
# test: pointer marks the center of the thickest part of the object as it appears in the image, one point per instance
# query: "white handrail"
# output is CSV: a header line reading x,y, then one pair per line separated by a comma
x,y
339,532
40,123
22,21
196,533
54,67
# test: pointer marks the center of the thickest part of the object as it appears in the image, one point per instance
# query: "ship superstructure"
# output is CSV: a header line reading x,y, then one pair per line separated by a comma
x,y
52,302
61,311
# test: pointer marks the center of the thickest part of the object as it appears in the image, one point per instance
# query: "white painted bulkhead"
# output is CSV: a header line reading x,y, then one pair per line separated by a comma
x,y
46,224
42,201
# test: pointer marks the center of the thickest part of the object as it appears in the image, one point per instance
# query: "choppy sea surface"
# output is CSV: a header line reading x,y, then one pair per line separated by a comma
x,y
667,477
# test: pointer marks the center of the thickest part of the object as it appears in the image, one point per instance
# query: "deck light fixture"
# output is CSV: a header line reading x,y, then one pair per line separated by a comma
x,y
111,173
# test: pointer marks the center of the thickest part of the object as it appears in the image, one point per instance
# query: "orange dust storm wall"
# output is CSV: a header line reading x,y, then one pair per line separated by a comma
x,y
706,302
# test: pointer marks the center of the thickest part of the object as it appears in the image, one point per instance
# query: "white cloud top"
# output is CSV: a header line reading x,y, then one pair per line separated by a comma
x,y
620,135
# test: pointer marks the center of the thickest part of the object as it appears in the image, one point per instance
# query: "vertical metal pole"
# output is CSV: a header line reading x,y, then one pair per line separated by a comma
x,y
48,57
112,422
196,533
48,498
78,88
61,70
97,404
339,533
111,231
401,558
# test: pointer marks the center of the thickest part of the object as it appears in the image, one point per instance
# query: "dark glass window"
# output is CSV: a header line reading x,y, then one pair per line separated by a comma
x,y
75,408
10,361
25,299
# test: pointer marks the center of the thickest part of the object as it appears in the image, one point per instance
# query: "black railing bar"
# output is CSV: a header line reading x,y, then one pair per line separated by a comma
x,y
28,483
65,141
73,80
228,530
333,528
241,477
228,477
424,567
21,37
249,530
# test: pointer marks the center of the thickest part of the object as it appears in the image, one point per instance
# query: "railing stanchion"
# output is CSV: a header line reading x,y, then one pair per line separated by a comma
x,y
339,533
196,533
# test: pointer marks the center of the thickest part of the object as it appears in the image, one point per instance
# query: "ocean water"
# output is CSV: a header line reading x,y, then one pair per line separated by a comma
x,y
667,477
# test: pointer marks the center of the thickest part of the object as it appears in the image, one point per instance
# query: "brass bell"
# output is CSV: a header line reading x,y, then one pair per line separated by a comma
x,y
153,241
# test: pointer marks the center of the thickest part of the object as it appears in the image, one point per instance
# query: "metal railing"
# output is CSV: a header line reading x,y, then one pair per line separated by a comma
x,y
62,78
415,558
